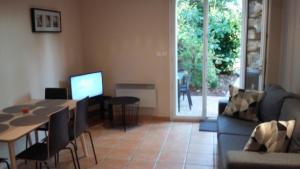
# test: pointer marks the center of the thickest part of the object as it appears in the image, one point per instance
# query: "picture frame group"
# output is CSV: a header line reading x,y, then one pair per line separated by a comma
x,y
44,20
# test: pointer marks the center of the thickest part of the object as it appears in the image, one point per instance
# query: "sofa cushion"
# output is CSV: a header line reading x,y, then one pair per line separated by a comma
x,y
243,104
291,111
227,142
229,125
271,104
273,136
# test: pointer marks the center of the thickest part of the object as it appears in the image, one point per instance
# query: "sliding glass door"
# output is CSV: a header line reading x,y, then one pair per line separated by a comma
x,y
190,51
208,43
217,43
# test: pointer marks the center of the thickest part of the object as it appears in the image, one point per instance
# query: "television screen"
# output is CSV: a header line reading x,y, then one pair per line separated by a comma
x,y
86,85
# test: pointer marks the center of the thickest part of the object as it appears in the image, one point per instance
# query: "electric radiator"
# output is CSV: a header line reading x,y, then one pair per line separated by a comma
x,y
145,92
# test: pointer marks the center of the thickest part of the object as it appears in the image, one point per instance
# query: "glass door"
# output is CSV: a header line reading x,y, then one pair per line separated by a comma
x,y
190,33
223,59
208,54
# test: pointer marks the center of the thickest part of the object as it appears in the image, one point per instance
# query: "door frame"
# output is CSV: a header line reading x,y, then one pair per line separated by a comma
x,y
173,66
264,39
264,42
173,57
244,37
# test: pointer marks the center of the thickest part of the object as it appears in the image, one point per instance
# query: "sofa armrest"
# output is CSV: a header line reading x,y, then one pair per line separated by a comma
x,y
251,160
222,104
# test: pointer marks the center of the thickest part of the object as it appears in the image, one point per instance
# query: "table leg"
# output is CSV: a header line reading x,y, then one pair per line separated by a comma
x,y
111,115
83,143
137,116
123,117
12,154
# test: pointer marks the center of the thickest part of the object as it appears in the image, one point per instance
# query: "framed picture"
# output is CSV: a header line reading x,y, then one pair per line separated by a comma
x,y
45,20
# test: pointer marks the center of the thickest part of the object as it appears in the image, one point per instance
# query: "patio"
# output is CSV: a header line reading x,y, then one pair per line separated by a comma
x,y
196,110
212,101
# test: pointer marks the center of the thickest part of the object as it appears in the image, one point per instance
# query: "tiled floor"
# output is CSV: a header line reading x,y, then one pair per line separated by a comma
x,y
153,144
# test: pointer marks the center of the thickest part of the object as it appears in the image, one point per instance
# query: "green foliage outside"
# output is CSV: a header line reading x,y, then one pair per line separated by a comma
x,y
224,38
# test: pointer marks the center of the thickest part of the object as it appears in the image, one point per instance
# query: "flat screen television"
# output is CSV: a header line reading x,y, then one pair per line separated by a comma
x,y
89,84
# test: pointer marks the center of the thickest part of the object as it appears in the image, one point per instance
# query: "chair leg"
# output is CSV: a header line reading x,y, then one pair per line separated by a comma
x,y
45,162
55,160
71,151
27,140
76,153
26,146
92,142
189,99
178,101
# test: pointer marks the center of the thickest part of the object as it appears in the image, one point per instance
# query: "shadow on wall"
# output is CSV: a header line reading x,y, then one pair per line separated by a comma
x,y
64,84
27,97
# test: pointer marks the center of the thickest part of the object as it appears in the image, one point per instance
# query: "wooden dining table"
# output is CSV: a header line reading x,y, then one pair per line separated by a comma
x,y
16,123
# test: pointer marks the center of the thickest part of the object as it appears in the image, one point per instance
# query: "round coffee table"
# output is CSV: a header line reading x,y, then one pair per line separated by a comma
x,y
124,102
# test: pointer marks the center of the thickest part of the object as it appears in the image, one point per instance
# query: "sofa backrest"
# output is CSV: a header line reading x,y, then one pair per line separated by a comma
x,y
271,104
291,111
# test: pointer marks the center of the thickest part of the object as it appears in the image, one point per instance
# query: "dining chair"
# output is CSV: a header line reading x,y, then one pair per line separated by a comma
x,y
80,126
57,140
56,93
4,160
51,94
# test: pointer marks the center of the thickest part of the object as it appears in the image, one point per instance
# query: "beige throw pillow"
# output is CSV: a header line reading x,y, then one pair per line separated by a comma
x,y
273,136
243,104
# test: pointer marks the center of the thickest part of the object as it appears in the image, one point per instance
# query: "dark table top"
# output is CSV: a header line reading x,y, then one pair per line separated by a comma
x,y
122,100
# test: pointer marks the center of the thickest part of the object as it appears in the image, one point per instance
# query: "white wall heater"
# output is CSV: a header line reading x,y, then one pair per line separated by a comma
x,y
146,92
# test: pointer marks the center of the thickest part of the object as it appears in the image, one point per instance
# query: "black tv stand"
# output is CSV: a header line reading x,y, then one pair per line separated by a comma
x,y
97,109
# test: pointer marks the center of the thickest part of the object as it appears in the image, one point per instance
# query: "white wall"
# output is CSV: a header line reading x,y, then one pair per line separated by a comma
x,y
29,62
129,41
274,41
289,76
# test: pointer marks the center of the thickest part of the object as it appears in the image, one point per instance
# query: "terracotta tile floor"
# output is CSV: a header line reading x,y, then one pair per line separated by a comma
x,y
152,144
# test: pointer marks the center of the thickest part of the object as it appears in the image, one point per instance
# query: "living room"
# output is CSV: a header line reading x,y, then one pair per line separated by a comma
x,y
130,42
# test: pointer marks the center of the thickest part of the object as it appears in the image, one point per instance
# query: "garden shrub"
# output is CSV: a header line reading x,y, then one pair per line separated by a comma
x,y
225,32
223,39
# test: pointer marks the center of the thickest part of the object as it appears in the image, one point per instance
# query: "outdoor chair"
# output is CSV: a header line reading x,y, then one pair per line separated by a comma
x,y
184,89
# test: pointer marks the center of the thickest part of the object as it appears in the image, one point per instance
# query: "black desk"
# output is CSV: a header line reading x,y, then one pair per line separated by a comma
x,y
129,106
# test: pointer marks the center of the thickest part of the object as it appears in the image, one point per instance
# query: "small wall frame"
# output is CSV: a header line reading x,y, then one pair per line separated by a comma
x,y
44,20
